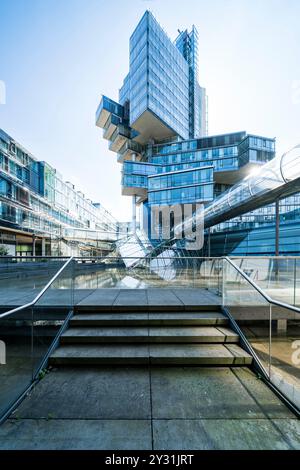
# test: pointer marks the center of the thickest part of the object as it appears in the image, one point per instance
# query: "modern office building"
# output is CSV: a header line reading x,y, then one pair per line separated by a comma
x,y
254,233
160,96
38,210
158,130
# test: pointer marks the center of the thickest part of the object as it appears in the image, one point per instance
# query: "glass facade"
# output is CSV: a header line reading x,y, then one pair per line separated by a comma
x,y
181,187
180,178
138,74
186,166
158,79
161,86
35,199
187,44
184,195
168,78
199,167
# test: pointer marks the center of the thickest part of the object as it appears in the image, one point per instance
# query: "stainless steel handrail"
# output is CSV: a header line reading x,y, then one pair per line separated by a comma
x,y
248,257
141,257
260,291
40,294
32,257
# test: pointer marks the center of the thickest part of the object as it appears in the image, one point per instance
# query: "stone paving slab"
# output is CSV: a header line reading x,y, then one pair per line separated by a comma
x,y
104,408
221,434
12,297
196,297
151,297
195,393
264,397
131,297
53,297
174,299
104,297
90,393
212,434
290,428
61,434
163,297
12,386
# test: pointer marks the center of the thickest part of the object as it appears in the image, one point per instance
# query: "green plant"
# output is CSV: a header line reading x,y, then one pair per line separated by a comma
x,y
42,374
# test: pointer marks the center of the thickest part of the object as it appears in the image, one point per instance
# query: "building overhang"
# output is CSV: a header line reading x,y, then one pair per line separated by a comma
x,y
150,127
134,191
127,156
110,126
117,143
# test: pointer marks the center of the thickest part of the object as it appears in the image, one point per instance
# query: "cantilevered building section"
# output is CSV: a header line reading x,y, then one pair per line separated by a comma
x,y
41,214
159,128
160,97
161,90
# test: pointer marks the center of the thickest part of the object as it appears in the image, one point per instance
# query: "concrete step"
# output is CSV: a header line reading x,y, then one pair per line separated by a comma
x,y
152,334
141,319
162,354
142,308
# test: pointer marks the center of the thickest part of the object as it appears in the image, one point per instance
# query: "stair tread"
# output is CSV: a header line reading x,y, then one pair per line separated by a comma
x,y
92,315
212,352
147,333
207,318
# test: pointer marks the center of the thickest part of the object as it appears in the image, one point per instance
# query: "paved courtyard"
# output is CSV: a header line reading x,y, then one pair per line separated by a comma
x,y
151,408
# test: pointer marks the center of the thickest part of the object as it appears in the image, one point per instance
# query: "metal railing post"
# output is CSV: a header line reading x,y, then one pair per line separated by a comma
x,y
73,284
270,339
295,283
223,281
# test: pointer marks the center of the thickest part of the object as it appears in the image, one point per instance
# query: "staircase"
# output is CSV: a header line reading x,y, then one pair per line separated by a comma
x,y
159,337
134,248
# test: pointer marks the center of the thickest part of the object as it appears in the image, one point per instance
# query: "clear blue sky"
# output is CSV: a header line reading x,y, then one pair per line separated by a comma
x,y
58,56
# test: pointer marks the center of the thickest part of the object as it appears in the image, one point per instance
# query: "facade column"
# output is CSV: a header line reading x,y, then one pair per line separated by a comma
x,y
133,204
282,326
33,245
43,246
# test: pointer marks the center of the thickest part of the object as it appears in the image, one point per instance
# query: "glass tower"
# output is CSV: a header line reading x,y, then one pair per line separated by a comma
x,y
161,92
159,130
187,44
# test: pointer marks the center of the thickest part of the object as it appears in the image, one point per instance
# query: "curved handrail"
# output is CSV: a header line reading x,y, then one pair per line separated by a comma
x,y
40,294
260,291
